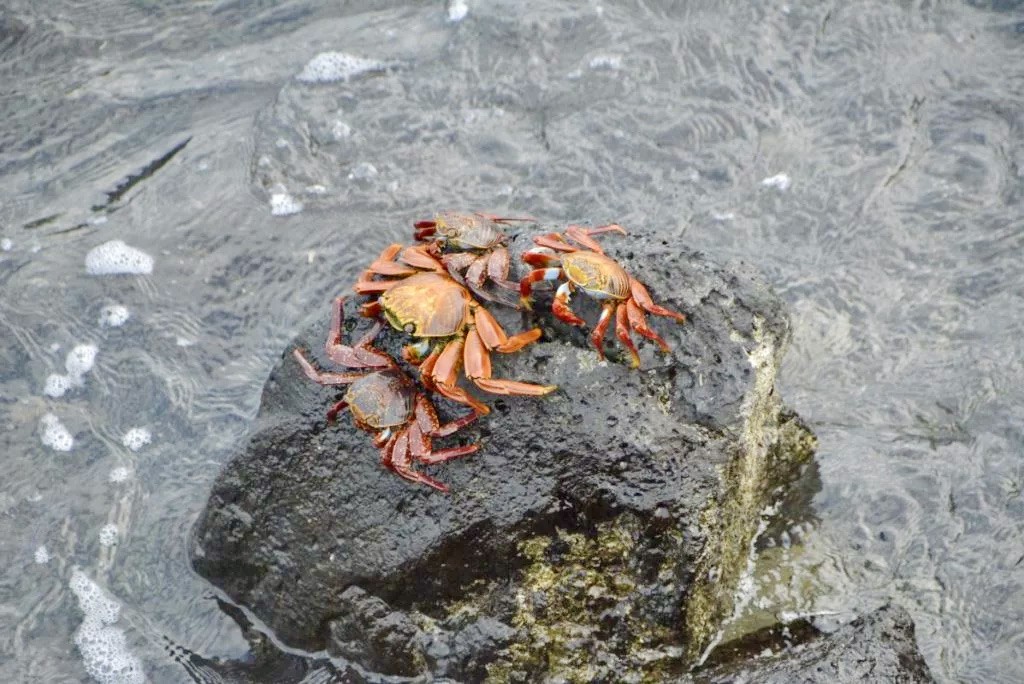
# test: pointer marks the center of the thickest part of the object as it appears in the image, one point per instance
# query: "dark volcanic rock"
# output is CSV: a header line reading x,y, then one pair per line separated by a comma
x,y
877,648
599,532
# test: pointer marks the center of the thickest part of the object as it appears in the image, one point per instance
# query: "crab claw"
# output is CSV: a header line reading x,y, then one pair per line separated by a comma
x,y
424,229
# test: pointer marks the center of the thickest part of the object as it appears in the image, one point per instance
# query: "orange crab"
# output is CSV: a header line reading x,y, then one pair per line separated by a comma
x,y
480,253
386,403
425,302
599,276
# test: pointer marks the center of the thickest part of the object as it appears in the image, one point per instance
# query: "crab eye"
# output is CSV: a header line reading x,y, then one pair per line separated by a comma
x,y
410,328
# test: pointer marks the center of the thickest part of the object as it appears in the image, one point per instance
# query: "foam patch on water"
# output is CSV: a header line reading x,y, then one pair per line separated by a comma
x,y
457,11
337,66
55,435
42,556
113,316
108,535
117,258
780,181
119,475
363,171
6,245
283,204
136,438
80,360
57,385
104,648
606,62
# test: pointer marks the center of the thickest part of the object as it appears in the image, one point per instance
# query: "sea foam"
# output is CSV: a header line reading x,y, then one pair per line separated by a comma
x,y
457,11
136,438
79,361
54,434
327,67
104,647
116,258
113,316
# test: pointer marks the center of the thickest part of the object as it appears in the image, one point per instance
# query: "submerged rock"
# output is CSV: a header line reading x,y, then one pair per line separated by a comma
x,y
598,535
878,648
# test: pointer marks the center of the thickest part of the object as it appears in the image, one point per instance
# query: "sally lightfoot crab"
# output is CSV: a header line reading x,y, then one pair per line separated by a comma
x,y
478,253
386,403
454,330
589,269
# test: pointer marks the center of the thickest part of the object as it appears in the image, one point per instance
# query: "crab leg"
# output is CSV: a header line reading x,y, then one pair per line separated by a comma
x,y
454,426
476,272
554,241
386,265
400,462
430,425
597,335
444,376
497,269
332,414
361,355
560,305
581,235
427,371
535,276
638,322
456,263
420,258
435,457
324,377
504,219
643,298
622,332
478,369
494,336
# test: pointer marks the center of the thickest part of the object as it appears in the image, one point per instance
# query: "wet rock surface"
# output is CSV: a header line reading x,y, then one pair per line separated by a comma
x,y
879,647
598,534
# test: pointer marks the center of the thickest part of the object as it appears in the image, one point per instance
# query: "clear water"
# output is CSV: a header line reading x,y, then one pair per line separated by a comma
x,y
895,233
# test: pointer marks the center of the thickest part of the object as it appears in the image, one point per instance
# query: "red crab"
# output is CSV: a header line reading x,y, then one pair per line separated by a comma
x,y
480,254
599,276
425,302
385,403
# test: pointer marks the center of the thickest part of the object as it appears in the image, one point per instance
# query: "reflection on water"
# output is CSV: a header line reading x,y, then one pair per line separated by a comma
x,y
866,156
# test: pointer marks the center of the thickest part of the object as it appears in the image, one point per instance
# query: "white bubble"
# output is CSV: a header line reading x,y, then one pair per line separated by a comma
x,y
104,648
57,385
609,62
457,11
283,204
363,171
114,316
337,66
55,435
120,474
183,341
780,181
115,257
136,438
108,535
6,245
340,129
80,360
42,556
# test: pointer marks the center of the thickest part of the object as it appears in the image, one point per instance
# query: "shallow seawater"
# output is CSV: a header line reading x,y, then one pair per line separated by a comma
x,y
866,156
